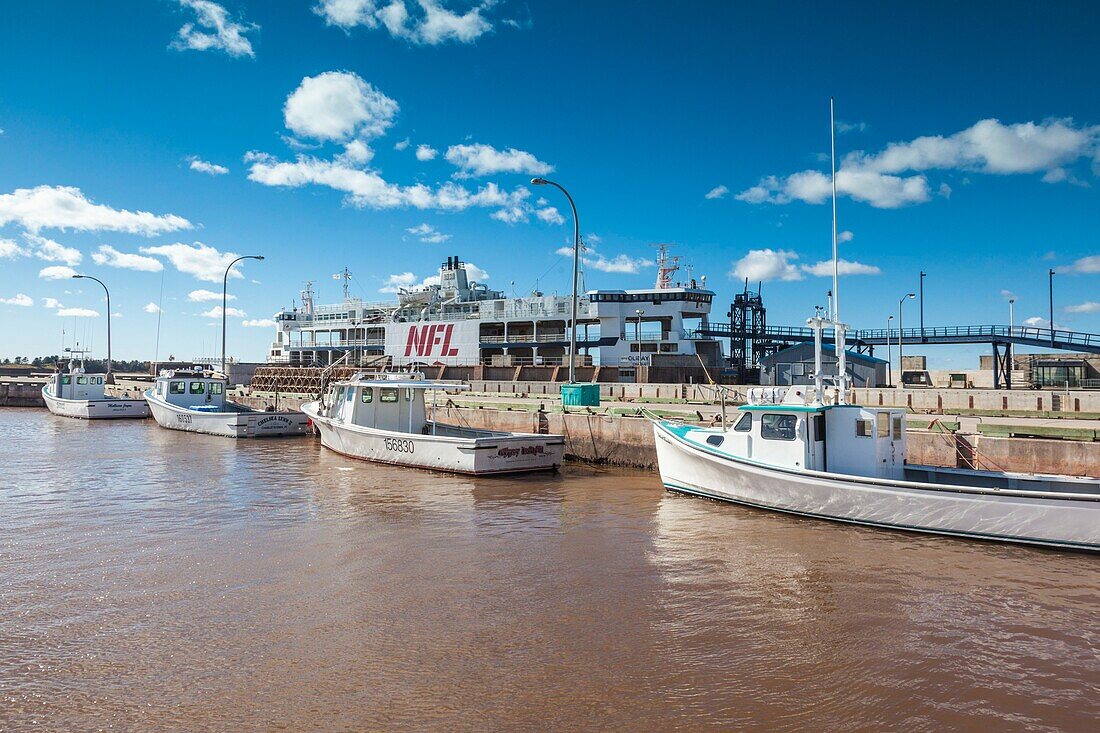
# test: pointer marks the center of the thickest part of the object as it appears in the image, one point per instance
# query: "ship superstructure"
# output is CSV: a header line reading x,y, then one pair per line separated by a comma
x,y
453,320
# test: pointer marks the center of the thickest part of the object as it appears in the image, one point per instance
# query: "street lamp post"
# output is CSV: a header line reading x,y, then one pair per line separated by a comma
x,y
576,267
1008,347
889,353
110,374
901,338
1052,307
225,288
923,274
638,328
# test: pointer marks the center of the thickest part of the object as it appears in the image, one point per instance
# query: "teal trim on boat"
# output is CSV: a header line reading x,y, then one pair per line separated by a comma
x,y
785,408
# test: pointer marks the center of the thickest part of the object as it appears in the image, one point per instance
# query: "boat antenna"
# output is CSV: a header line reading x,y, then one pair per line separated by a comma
x,y
839,328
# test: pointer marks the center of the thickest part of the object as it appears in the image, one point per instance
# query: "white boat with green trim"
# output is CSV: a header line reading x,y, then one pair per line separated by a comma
x,y
194,400
383,418
791,451
84,396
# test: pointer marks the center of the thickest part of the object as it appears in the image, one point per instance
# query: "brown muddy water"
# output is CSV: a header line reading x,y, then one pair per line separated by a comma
x,y
159,581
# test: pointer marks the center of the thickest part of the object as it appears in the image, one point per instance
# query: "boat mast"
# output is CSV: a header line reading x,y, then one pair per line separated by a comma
x,y
839,328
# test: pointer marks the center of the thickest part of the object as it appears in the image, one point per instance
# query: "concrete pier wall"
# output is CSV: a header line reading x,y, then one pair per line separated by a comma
x,y
21,394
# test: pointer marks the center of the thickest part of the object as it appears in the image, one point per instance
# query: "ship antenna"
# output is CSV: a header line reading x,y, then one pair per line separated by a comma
x,y
839,329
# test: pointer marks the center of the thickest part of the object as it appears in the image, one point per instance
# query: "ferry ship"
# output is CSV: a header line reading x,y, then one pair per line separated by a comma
x,y
455,321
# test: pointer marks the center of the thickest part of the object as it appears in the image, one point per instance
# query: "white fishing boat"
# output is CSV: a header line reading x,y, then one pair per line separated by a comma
x,y
82,395
795,451
384,418
194,400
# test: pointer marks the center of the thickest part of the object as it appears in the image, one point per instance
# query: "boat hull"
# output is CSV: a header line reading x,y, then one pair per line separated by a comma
x,y
246,424
503,454
105,409
1051,520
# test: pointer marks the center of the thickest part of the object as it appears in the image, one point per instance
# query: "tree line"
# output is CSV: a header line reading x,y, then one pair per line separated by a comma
x,y
90,365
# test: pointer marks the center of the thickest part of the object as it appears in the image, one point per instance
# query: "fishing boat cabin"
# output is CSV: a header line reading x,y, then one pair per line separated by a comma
x,y
193,389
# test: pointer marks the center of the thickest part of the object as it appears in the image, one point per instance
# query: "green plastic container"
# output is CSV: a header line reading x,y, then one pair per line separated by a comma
x,y
580,395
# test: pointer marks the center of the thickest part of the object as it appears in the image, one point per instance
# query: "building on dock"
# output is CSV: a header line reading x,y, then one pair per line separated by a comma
x,y
795,365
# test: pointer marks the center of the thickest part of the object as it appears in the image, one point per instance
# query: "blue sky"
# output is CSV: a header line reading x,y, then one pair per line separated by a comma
x,y
969,149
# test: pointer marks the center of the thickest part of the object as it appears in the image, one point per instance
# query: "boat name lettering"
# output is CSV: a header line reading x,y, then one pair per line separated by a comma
x,y
423,340
185,419
400,445
527,450
277,419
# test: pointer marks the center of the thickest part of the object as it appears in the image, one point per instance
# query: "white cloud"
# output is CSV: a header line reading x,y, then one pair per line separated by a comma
x,y
10,249
717,192
1086,307
844,267
200,260
338,105
151,307
357,152
1008,295
56,272
426,152
77,313
428,233
367,189
1084,266
202,166
766,264
845,236
429,22
845,127
111,257
206,296
476,273
222,33
550,215
216,312
394,283
51,251
987,147
401,144
259,323
620,263
65,207
51,303
20,299
482,160
1040,322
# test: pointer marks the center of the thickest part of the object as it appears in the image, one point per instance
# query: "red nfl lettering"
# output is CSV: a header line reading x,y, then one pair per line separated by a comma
x,y
422,340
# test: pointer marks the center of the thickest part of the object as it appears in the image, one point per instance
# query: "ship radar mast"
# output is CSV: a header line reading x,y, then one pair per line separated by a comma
x,y
666,266
344,275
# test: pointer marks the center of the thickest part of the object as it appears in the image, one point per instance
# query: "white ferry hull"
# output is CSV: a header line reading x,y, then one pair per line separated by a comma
x,y
245,424
492,454
1070,521
105,409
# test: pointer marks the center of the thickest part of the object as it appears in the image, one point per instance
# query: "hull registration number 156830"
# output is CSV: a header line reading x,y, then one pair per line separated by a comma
x,y
400,445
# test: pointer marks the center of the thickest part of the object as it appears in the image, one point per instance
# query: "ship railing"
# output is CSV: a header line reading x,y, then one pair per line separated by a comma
x,y
346,343
631,336
523,338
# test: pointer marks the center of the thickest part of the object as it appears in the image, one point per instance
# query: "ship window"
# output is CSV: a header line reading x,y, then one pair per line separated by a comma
x,y
215,388
198,387
350,395
387,394
883,419
778,427
66,379
368,395
865,428
897,428
81,380
744,425
177,387
716,440
408,394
